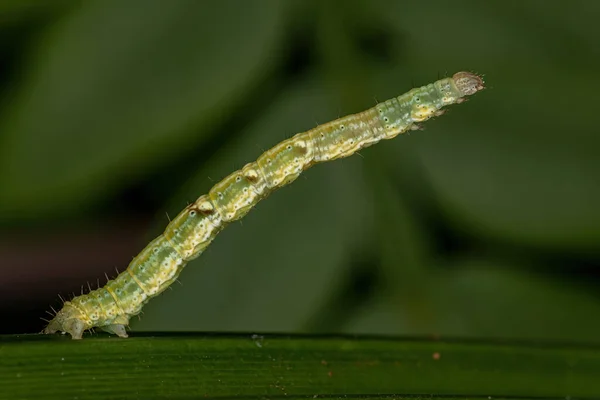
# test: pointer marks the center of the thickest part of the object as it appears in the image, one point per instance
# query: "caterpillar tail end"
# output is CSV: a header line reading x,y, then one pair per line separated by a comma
x,y
67,320
62,323
72,321
468,83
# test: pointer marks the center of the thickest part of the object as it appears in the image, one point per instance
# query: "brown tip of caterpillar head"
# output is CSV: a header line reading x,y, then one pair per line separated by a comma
x,y
67,320
468,83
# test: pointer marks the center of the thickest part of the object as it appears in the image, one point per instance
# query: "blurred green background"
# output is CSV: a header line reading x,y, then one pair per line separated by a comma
x,y
116,114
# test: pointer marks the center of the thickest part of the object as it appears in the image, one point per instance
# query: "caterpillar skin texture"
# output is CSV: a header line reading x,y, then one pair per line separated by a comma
x,y
185,238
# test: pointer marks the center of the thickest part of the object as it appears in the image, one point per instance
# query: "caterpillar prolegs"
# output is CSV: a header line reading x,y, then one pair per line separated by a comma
x,y
185,238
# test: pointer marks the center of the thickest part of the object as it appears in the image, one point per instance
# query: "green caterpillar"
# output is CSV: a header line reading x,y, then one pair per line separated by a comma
x,y
185,238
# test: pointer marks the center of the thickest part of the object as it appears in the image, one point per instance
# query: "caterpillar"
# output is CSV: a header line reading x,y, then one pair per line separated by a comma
x,y
159,264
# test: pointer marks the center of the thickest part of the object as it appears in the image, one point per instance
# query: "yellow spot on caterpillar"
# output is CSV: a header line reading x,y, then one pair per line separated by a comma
x,y
206,207
421,112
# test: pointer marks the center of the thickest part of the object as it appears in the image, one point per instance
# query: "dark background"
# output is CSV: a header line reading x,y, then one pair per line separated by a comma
x,y
115,114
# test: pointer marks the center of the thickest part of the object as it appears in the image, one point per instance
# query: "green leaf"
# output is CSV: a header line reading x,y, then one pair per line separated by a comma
x,y
518,162
117,87
484,298
255,366
15,12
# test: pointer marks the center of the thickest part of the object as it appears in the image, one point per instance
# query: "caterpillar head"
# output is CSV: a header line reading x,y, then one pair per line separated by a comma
x,y
468,83
68,320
